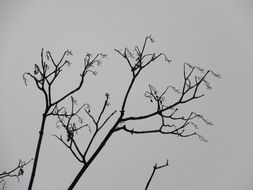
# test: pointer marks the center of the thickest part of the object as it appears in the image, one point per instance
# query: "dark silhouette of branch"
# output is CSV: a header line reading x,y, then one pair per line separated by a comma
x,y
170,123
167,128
44,77
155,168
14,173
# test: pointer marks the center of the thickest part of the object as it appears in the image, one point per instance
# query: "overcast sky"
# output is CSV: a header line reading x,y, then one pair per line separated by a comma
x,y
212,34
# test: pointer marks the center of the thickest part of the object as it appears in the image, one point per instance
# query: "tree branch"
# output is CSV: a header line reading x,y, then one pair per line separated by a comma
x,y
70,148
155,168
15,172
181,100
44,77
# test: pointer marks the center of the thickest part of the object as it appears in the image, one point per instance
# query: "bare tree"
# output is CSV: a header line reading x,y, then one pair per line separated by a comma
x,y
171,120
44,77
14,173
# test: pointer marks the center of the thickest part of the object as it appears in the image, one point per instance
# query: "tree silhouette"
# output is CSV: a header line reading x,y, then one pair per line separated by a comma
x,y
172,121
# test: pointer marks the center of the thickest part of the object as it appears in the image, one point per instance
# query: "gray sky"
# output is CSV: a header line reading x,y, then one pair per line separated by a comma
x,y
212,34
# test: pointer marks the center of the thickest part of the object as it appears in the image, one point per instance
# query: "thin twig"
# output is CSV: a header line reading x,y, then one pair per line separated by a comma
x,y
155,168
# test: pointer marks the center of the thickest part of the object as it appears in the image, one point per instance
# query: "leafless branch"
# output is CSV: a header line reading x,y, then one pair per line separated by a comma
x,y
187,94
66,121
15,172
69,146
96,122
138,62
168,125
155,168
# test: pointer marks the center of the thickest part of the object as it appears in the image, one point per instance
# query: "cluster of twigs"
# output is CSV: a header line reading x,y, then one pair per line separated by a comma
x,y
67,121
44,77
14,173
169,113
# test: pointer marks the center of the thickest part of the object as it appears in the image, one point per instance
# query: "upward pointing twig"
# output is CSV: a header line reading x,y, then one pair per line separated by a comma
x,y
155,167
